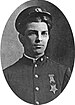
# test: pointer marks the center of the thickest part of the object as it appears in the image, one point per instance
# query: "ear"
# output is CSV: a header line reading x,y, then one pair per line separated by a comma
x,y
21,38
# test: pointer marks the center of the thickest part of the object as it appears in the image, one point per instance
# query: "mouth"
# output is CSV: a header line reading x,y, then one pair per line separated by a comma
x,y
38,46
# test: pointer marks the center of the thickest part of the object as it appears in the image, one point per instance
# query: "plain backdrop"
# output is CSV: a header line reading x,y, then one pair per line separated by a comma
x,y
7,97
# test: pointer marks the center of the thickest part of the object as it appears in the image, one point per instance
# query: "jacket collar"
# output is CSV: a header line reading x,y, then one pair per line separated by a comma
x,y
34,59
29,61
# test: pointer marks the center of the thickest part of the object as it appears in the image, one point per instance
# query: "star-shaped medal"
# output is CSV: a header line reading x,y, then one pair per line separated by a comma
x,y
53,88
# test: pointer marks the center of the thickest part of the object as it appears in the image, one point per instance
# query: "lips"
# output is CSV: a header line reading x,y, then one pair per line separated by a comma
x,y
38,46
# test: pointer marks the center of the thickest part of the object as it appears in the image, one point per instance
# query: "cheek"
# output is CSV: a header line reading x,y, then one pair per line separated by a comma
x,y
45,40
32,39
26,42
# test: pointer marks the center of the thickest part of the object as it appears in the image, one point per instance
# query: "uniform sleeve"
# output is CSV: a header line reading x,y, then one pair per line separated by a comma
x,y
6,74
66,78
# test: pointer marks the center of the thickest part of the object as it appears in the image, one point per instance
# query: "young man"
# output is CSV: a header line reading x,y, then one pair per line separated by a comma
x,y
35,78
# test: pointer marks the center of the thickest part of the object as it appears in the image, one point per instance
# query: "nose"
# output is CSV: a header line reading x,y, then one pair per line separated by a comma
x,y
38,39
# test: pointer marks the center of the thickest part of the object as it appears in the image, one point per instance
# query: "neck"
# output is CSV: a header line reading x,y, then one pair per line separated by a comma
x,y
32,54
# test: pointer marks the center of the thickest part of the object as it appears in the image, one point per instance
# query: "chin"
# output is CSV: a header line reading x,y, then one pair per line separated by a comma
x,y
39,52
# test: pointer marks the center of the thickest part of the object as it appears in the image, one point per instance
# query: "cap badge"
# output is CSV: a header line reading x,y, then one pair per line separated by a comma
x,y
38,10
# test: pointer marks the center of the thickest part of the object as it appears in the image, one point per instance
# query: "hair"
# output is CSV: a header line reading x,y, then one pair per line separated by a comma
x,y
37,17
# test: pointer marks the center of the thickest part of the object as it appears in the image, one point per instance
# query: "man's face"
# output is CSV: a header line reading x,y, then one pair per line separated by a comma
x,y
36,37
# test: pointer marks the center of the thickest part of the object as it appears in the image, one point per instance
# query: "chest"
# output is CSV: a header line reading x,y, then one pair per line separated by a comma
x,y
38,82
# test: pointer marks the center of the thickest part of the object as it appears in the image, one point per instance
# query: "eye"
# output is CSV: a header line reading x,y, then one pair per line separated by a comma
x,y
31,33
45,33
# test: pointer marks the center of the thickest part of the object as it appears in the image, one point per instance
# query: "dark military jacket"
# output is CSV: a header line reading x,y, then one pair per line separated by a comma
x,y
37,82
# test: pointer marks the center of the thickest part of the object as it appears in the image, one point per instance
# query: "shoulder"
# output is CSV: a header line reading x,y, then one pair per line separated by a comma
x,y
14,67
62,67
13,70
57,65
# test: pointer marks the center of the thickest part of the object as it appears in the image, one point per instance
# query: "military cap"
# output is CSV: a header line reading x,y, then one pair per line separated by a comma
x,y
27,14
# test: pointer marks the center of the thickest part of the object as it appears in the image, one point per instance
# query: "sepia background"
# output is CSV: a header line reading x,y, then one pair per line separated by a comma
x,y
61,45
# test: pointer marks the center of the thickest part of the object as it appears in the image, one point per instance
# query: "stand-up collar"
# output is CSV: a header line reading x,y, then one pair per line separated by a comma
x,y
33,59
30,61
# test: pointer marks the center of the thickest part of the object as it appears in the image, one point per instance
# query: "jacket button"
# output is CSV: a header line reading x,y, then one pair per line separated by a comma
x,y
36,76
47,57
41,59
37,103
37,88
35,65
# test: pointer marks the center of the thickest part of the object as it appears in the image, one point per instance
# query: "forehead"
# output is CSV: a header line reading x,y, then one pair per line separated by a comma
x,y
38,26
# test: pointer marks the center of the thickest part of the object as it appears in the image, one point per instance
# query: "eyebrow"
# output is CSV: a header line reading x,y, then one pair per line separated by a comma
x,y
45,31
35,31
32,30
